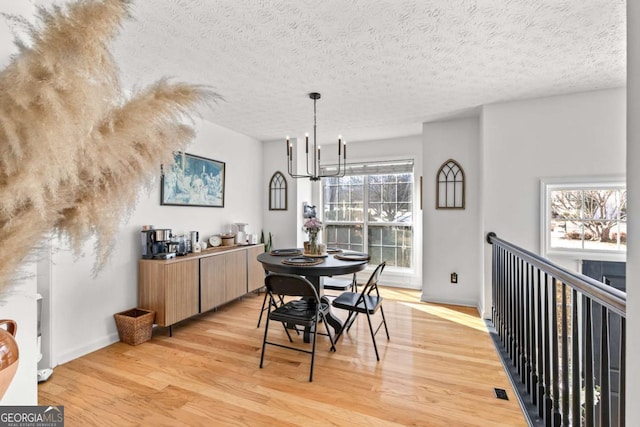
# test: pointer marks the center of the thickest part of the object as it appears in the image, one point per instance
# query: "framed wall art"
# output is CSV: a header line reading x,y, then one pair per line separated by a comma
x,y
450,186
193,181
278,192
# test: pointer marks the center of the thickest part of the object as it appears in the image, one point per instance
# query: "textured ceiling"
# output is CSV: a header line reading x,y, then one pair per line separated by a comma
x,y
382,67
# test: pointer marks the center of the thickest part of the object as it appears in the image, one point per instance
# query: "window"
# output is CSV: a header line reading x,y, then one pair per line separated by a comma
x,y
371,210
586,217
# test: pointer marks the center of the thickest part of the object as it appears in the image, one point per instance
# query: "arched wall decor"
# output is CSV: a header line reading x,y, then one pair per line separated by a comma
x,y
450,186
278,192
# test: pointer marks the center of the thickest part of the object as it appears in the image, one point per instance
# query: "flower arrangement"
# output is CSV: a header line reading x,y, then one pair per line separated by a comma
x,y
312,225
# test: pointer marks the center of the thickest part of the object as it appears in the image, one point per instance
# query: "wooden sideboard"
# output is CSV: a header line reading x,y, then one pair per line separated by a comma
x,y
181,287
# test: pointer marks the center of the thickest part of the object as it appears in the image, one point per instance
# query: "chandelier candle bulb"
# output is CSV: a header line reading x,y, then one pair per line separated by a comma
x,y
339,145
306,138
318,153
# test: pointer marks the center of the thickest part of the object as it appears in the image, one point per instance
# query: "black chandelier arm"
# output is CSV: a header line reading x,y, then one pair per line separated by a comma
x,y
314,174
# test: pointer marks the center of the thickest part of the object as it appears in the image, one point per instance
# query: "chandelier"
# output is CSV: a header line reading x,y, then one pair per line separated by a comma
x,y
314,173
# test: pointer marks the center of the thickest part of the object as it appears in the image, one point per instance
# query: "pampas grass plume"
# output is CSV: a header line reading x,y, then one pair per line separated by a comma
x,y
74,150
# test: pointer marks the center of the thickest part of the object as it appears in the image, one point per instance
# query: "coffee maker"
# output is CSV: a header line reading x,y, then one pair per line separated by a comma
x,y
155,244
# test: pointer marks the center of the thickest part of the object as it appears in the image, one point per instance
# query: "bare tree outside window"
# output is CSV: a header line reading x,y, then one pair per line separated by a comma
x,y
589,218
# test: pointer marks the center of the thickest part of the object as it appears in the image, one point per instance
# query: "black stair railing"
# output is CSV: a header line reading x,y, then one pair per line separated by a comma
x,y
562,336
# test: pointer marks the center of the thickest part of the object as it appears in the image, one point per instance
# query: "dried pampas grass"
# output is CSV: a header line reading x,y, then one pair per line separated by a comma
x,y
74,151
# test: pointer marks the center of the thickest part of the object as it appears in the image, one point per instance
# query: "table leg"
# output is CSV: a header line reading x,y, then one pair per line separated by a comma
x,y
332,319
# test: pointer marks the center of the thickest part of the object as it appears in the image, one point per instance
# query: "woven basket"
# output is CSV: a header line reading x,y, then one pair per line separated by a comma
x,y
135,325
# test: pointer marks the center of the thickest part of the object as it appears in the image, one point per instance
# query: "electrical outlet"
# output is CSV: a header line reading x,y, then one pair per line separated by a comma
x,y
454,277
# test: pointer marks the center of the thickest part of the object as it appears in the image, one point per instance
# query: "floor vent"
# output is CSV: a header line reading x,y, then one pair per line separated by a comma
x,y
501,393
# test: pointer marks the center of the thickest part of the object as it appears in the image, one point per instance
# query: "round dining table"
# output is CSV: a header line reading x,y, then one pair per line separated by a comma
x,y
330,266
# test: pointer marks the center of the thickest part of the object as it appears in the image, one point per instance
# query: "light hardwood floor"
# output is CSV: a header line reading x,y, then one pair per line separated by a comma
x,y
438,369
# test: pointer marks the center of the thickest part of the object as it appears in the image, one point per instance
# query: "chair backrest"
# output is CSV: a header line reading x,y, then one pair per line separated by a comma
x,y
291,285
372,283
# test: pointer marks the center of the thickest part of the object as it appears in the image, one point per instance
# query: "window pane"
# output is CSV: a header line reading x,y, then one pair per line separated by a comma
x,y
405,177
330,213
357,194
357,212
375,212
405,192
375,192
391,244
566,204
389,193
344,237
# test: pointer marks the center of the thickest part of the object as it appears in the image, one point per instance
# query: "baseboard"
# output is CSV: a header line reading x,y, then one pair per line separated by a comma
x,y
94,345
461,302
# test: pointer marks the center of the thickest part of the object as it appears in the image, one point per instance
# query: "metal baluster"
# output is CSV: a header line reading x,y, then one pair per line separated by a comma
x,y
531,354
527,328
540,349
519,321
622,384
588,363
548,401
575,360
501,296
557,417
512,339
604,369
494,284
565,358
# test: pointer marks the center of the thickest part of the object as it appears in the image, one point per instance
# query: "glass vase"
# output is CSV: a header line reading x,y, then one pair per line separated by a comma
x,y
313,242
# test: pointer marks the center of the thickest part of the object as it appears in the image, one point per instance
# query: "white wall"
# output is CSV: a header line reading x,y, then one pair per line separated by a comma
x,y
281,224
562,136
19,301
633,189
452,238
83,306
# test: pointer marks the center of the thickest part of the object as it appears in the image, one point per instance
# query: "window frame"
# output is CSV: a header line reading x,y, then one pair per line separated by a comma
x,y
547,186
365,223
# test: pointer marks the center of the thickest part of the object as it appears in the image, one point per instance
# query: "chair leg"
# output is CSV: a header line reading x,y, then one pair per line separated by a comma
x,y
264,341
287,331
384,322
326,326
373,336
351,322
264,301
345,326
313,353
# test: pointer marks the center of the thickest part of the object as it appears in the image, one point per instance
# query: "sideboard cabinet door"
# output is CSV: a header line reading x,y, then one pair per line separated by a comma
x,y
255,271
171,290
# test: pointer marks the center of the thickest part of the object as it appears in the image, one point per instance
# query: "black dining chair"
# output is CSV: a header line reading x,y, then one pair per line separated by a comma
x,y
367,302
340,283
264,307
307,311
